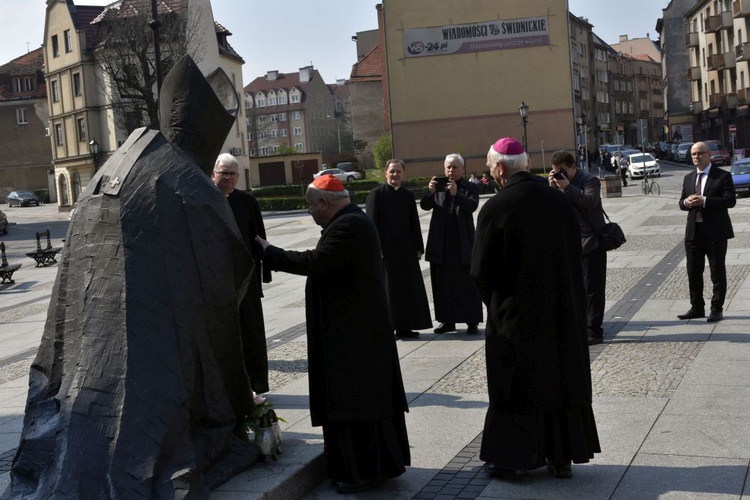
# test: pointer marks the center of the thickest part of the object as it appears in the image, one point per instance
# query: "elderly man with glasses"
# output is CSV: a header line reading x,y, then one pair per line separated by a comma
x,y
707,196
247,215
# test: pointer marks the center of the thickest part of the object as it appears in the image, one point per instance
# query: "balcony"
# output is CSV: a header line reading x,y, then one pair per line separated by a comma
x,y
691,39
731,100
741,8
718,22
694,73
717,101
715,62
696,107
743,95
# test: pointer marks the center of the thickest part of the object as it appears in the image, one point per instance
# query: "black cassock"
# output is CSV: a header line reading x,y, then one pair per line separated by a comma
x,y
394,212
356,390
527,266
247,214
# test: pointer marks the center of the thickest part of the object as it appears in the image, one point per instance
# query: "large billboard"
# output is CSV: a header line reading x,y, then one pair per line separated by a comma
x,y
476,37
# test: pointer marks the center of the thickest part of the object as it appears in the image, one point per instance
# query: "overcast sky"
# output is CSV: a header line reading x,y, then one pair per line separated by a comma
x,y
288,35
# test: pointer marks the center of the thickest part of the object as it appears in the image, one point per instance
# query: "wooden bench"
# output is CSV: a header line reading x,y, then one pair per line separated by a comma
x,y
6,270
44,256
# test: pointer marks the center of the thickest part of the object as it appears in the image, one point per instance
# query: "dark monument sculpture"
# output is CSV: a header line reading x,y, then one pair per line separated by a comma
x,y
139,381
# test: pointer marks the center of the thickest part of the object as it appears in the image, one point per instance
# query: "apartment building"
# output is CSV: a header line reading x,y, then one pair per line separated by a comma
x,y
25,158
719,72
83,127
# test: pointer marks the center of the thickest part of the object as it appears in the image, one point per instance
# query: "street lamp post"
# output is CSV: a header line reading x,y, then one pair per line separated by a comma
x,y
94,150
585,142
524,110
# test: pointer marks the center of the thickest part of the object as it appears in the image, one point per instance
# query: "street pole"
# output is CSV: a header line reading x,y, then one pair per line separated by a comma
x,y
154,25
523,109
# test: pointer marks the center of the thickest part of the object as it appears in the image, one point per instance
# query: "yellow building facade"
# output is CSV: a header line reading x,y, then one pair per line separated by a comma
x,y
458,71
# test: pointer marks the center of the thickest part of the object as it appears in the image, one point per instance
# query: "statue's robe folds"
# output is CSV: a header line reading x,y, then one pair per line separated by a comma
x,y
139,380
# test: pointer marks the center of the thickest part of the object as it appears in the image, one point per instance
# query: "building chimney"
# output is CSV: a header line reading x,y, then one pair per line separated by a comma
x,y
272,75
305,74
623,38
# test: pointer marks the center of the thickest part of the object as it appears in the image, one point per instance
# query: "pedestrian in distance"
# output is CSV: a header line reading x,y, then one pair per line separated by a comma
x,y
450,239
707,195
356,389
583,190
622,164
250,223
393,209
538,372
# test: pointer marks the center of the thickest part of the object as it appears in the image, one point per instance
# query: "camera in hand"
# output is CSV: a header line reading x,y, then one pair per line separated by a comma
x,y
558,174
441,183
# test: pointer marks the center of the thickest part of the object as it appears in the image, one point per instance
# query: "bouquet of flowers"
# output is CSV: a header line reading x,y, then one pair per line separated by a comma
x,y
264,423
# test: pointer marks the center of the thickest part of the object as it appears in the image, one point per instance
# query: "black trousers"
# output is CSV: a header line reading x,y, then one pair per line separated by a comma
x,y
696,251
595,281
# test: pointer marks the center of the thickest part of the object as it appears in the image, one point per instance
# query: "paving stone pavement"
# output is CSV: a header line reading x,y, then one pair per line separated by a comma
x,y
671,397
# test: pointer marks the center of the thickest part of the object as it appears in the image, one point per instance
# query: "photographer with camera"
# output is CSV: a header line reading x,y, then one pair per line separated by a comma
x,y
583,190
450,240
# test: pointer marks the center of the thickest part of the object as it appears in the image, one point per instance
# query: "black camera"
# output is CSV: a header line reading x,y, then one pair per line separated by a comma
x,y
441,183
558,174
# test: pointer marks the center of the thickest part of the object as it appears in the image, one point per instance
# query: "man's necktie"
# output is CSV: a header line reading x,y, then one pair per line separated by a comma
x,y
698,190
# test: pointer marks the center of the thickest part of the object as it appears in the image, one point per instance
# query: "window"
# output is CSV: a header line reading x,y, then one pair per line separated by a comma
x,y
311,113
294,98
21,116
275,149
272,101
29,83
320,99
55,91
284,132
320,114
296,115
274,133
261,120
297,131
58,134
68,41
81,127
313,131
77,84
249,120
282,99
298,146
261,103
262,135
274,118
264,151
282,117
55,47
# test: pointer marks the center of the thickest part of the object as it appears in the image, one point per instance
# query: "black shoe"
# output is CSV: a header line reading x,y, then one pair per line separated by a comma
x,y
595,339
406,334
506,473
692,314
560,471
472,328
445,327
347,488
715,316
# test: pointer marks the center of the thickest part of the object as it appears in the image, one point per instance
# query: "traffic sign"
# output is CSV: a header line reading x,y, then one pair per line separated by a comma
x,y
733,129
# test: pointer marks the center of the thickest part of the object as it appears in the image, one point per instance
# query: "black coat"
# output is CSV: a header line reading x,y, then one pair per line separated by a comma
x,y
250,222
354,369
584,193
394,213
465,204
720,197
527,267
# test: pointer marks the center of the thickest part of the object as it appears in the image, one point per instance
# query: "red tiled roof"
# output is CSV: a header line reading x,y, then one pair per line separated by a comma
x,y
285,81
370,67
30,64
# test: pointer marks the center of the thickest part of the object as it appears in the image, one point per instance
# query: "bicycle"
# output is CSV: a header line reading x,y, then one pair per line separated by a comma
x,y
650,186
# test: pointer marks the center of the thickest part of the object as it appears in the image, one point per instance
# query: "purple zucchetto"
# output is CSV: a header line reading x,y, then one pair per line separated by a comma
x,y
508,146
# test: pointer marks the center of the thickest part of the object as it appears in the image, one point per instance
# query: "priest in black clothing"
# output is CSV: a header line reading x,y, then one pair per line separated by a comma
x,y
247,214
356,390
449,243
394,212
527,266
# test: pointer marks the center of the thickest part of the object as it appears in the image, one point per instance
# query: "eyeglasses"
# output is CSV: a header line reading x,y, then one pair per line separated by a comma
x,y
225,174
698,153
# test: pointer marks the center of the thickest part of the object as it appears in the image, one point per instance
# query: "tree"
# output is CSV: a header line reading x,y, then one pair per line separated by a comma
x,y
125,54
382,150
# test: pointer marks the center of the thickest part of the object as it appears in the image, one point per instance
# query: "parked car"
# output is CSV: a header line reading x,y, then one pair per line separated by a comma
x,y
719,154
340,174
741,177
3,223
22,199
349,166
640,162
683,152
